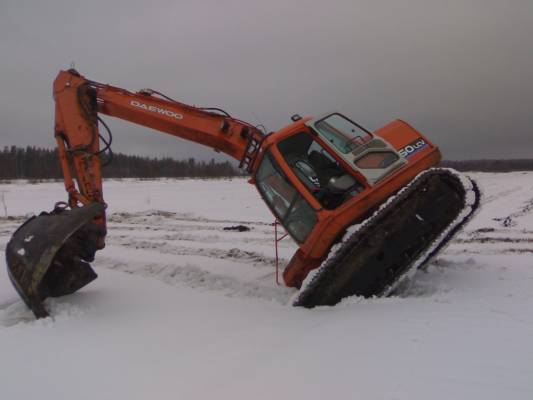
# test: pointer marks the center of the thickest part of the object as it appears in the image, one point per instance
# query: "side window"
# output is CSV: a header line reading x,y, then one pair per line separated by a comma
x,y
342,133
276,189
289,206
321,174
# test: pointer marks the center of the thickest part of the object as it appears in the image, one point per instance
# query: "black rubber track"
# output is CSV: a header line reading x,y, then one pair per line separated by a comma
x,y
384,250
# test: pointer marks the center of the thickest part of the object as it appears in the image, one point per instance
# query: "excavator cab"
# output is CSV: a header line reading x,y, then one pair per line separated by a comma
x,y
319,165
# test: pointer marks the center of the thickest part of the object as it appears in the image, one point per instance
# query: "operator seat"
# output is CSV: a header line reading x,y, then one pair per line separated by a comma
x,y
324,167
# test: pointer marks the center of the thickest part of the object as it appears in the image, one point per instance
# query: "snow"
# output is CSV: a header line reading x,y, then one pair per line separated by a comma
x,y
184,309
204,198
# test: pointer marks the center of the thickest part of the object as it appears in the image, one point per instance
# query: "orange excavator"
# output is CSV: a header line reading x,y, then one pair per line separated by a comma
x,y
365,208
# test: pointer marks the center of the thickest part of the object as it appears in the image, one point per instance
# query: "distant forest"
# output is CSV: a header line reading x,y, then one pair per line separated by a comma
x,y
36,164
490,165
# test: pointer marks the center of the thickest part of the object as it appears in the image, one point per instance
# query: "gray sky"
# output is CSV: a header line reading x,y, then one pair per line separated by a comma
x,y
459,71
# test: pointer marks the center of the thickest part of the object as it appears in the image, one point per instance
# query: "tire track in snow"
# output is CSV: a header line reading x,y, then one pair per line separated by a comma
x,y
148,225
497,196
494,239
156,215
196,278
490,251
256,259
510,220
194,235
158,232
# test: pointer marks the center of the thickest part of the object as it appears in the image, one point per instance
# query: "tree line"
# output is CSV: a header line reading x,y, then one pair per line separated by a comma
x,y
490,165
36,163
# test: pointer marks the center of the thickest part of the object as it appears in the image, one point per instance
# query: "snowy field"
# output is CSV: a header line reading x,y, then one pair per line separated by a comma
x,y
183,309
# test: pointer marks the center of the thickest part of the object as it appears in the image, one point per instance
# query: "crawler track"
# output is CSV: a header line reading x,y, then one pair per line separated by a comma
x,y
403,235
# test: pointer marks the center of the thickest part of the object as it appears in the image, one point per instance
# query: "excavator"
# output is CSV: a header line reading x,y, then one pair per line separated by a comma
x,y
366,209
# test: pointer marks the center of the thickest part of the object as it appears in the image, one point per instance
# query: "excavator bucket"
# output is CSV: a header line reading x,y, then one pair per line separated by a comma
x,y
47,256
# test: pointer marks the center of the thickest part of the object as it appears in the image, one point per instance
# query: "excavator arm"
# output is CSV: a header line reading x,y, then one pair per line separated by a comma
x,y
49,255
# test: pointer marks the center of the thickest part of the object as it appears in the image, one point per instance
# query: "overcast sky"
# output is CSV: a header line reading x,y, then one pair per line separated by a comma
x,y
459,71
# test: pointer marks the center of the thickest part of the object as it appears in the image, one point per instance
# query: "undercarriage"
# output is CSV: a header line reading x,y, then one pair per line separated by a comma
x,y
374,257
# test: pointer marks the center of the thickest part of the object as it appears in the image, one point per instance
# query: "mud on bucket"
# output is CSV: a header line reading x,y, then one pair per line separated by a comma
x,y
48,255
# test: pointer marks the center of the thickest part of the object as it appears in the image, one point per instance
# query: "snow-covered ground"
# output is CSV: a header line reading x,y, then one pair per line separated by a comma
x,y
186,310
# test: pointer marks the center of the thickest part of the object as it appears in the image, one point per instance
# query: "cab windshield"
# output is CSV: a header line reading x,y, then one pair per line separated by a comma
x,y
289,206
341,133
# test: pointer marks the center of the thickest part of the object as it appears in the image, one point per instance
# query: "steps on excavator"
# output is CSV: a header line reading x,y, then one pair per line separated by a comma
x,y
374,257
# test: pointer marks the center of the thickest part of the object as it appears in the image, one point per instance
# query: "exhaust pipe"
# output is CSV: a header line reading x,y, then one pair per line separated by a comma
x,y
49,255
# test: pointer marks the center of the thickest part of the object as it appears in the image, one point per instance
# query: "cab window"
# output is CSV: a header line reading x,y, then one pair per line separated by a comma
x,y
342,133
321,174
289,206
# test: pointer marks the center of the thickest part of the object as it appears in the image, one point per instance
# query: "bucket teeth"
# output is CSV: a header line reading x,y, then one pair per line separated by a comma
x,y
47,256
